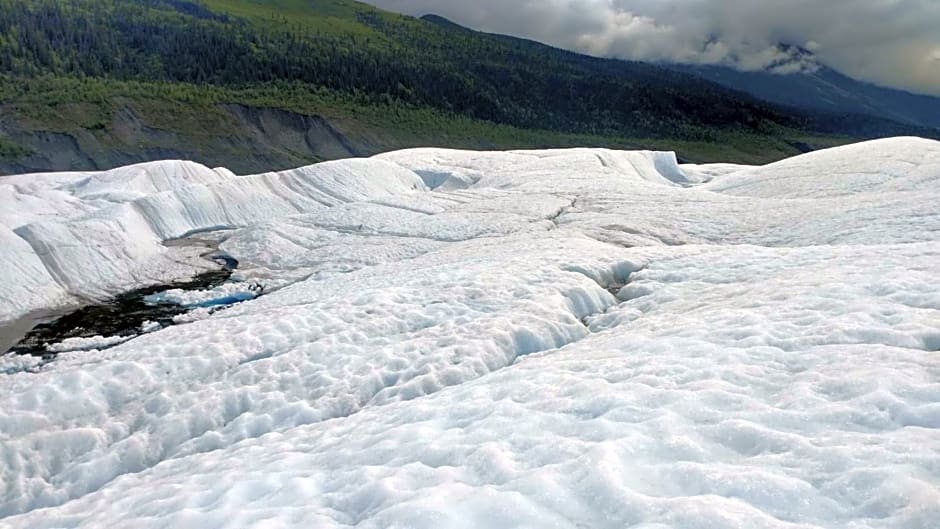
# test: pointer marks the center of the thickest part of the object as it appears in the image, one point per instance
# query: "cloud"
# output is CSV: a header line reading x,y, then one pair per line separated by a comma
x,y
889,42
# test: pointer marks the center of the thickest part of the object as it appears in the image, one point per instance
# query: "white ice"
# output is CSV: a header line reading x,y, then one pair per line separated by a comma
x,y
86,344
70,237
224,294
150,326
572,338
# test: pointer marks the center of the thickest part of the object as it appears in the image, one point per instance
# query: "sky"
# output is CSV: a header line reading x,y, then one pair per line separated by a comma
x,y
889,42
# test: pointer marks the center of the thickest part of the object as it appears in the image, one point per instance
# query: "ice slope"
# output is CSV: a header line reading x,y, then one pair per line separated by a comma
x,y
97,234
27,284
125,184
573,338
892,165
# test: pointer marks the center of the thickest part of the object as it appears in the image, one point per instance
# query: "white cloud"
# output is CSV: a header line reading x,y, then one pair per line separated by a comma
x,y
890,42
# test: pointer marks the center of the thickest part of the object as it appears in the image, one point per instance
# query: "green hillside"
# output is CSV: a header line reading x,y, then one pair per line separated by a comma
x,y
256,84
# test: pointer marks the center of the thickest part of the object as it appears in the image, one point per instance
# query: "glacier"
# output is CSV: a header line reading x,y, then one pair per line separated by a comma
x,y
560,338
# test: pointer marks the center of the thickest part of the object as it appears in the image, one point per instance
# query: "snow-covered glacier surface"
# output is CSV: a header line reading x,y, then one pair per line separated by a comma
x,y
573,338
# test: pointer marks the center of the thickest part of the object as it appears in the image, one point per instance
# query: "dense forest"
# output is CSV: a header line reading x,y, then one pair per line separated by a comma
x,y
374,59
401,60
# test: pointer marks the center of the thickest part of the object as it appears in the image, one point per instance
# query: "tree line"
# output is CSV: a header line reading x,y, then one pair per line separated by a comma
x,y
399,61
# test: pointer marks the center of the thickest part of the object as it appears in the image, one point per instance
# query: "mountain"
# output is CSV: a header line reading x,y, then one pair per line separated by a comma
x,y
90,84
877,111
819,88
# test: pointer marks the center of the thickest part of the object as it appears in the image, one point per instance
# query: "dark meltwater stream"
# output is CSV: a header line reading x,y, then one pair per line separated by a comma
x,y
122,316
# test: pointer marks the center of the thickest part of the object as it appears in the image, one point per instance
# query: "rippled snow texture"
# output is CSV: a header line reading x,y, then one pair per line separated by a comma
x,y
575,338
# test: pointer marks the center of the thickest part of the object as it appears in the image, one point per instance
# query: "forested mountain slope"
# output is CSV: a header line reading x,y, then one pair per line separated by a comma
x,y
827,90
94,83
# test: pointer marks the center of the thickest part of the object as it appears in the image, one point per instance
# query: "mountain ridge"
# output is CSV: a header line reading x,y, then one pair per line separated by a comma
x,y
802,74
826,89
381,81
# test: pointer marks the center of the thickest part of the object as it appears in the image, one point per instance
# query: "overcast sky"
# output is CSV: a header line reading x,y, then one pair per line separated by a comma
x,y
890,42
